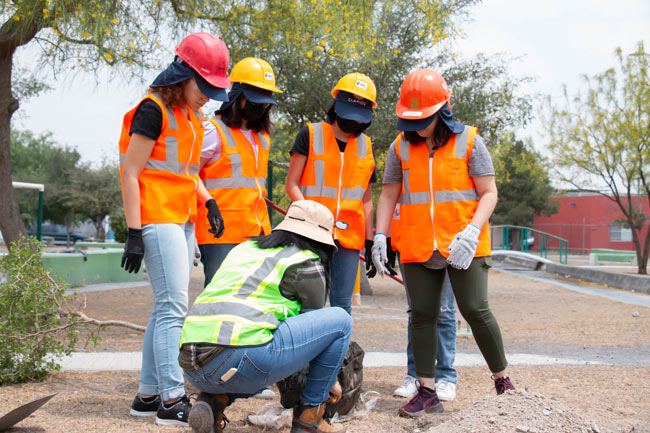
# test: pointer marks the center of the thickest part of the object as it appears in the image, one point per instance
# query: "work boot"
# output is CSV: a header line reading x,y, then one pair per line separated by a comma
x,y
207,414
309,419
502,384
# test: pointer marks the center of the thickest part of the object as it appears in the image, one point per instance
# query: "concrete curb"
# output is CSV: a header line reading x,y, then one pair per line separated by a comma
x,y
617,280
123,361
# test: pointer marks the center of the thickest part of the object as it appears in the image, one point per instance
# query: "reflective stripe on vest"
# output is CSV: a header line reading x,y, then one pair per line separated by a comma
x,y
243,303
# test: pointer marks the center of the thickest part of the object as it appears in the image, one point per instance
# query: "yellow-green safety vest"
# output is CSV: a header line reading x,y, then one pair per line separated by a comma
x,y
243,304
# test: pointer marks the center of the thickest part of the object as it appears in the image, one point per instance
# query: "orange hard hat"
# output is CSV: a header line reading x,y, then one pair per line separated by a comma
x,y
208,56
422,94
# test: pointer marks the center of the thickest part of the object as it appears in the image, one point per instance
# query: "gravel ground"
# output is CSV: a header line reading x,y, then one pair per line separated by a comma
x,y
534,317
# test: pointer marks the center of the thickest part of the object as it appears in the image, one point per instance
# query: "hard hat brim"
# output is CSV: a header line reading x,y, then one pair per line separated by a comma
x,y
256,96
212,92
414,124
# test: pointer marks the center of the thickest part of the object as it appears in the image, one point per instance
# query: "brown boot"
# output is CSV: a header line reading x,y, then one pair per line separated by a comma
x,y
307,419
207,414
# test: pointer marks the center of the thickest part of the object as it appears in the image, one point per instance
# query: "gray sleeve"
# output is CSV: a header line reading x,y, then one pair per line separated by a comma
x,y
305,283
480,162
393,166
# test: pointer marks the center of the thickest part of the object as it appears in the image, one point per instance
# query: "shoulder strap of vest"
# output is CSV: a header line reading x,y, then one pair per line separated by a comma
x,y
263,139
465,142
169,120
225,131
317,137
363,143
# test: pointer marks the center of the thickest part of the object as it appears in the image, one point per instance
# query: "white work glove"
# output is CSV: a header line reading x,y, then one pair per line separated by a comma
x,y
379,256
463,247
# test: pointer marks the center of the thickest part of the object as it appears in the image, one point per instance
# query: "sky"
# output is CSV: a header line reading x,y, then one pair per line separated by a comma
x,y
555,41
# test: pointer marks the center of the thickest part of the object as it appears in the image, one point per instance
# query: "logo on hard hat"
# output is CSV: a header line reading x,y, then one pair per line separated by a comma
x,y
361,84
415,103
268,76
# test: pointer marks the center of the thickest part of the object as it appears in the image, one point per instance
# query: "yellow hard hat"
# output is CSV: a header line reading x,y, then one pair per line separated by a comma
x,y
355,83
256,72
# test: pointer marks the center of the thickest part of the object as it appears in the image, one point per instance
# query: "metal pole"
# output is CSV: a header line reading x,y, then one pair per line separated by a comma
x,y
39,218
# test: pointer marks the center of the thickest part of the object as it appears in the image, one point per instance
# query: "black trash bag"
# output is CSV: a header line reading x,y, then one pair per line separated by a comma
x,y
350,377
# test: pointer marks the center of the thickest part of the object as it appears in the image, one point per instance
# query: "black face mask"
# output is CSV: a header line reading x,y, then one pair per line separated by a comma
x,y
252,112
350,126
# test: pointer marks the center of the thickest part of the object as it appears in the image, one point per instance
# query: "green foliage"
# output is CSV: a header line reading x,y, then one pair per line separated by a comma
x,y
523,184
37,323
312,44
600,139
486,94
119,226
73,191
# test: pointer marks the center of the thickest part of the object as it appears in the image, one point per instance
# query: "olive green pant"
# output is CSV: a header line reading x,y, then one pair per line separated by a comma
x,y
470,288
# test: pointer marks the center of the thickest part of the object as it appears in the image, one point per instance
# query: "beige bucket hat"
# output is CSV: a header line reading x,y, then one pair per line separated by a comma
x,y
309,219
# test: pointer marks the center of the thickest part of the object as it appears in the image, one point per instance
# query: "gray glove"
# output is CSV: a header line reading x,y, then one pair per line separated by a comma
x,y
463,247
379,256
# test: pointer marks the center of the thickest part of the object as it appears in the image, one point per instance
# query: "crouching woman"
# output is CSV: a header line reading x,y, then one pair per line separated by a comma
x,y
261,319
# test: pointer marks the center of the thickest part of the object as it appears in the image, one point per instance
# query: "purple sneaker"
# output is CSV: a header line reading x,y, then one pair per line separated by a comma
x,y
501,384
426,400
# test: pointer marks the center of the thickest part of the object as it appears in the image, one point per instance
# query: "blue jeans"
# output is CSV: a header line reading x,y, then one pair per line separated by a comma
x,y
446,353
212,255
168,254
343,273
319,338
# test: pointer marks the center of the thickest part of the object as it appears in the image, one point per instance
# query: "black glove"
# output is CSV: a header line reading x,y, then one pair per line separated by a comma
x,y
214,218
133,251
390,254
370,266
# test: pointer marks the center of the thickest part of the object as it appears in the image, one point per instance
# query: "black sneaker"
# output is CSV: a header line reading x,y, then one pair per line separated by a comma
x,y
176,414
145,407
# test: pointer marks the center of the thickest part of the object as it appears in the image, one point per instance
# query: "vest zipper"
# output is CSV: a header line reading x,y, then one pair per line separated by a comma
x,y
338,198
431,198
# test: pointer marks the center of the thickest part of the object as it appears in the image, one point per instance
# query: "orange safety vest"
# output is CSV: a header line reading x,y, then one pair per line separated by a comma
x,y
170,177
237,181
438,197
339,180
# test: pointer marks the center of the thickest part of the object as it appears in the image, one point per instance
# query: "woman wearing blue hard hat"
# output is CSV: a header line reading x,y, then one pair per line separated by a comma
x,y
160,147
332,163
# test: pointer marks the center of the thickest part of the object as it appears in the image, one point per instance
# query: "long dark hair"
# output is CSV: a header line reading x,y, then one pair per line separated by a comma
x,y
440,137
232,116
283,238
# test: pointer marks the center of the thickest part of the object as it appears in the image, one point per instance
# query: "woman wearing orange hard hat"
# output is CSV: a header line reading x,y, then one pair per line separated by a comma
x,y
234,162
442,175
332,163
160,146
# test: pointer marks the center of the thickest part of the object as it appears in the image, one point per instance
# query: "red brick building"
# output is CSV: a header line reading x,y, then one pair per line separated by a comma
x,y
589,220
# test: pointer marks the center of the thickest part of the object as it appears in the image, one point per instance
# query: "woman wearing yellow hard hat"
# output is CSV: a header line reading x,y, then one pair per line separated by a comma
x,y
234,164
332,163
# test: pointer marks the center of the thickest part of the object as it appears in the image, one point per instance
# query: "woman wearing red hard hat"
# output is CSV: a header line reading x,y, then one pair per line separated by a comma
x,y
160,147
442,175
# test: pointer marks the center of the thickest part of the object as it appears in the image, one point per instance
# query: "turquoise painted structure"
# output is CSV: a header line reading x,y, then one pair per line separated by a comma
x,y
101,266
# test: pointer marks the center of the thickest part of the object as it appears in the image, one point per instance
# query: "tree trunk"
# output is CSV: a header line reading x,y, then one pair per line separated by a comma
x,y
10,222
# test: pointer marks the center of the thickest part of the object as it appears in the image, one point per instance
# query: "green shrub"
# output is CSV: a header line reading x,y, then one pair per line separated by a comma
x,y
38,324
118,225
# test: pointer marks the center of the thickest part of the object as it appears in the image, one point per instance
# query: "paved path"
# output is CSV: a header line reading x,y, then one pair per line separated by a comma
x,y
110,361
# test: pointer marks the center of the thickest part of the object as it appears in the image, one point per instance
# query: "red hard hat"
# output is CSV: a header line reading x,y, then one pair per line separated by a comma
x,y
422,94
208,56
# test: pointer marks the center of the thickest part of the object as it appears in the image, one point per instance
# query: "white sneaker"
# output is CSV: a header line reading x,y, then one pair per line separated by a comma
x,y
265,394
408,389
446,390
